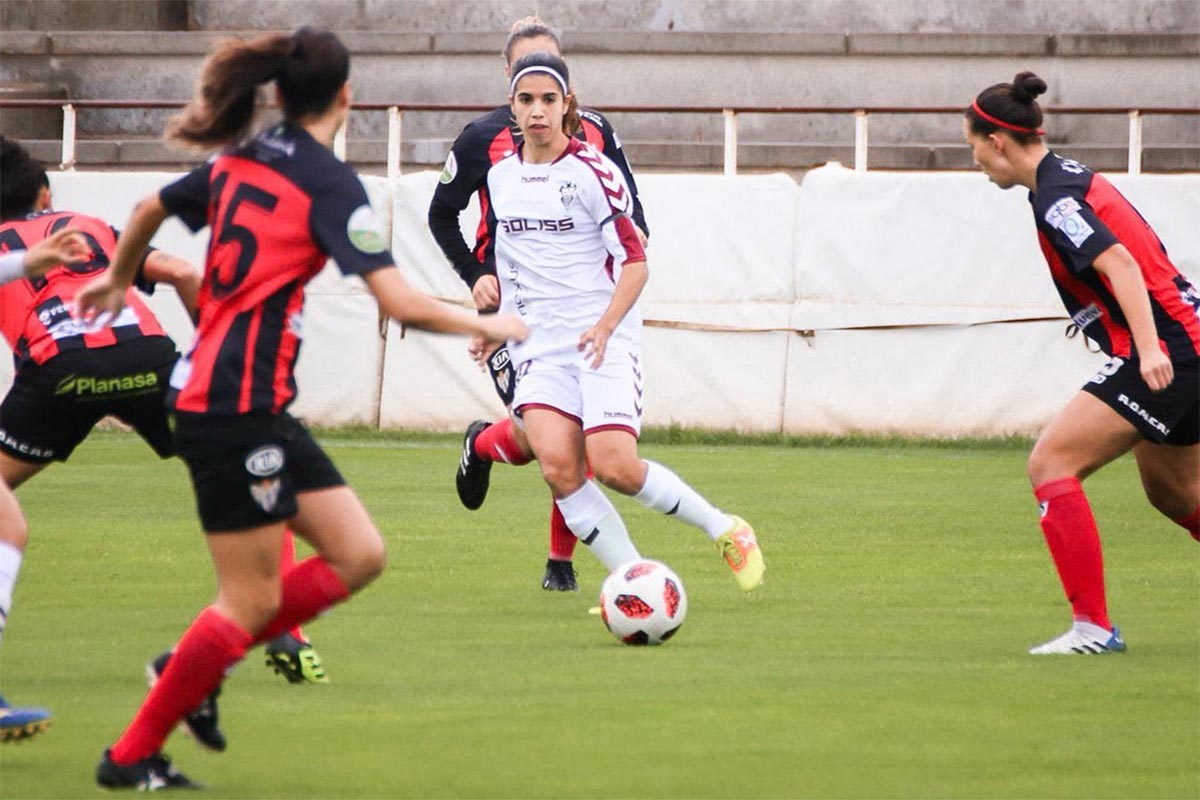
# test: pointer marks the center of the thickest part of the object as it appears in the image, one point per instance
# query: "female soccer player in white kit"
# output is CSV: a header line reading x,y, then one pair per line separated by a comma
x,y
571,266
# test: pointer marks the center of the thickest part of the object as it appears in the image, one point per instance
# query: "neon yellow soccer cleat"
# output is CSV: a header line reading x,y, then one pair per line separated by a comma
x,y
739,547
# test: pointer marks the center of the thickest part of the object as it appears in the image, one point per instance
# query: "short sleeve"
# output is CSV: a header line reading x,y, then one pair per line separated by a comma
x,y
610,203
140,280
187,198
1066,218
345,226
465,171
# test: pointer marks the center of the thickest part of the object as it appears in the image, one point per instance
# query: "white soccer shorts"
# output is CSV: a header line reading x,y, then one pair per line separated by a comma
x,y
607,397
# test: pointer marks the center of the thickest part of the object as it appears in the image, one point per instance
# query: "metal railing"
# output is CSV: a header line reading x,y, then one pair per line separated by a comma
x,y
395,115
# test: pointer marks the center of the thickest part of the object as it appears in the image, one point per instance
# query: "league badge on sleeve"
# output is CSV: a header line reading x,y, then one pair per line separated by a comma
x,y
1064,216
365,230
450,171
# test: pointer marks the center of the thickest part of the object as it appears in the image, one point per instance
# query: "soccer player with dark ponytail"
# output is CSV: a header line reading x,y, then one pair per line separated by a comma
x,y
480,145
278,205
1122,291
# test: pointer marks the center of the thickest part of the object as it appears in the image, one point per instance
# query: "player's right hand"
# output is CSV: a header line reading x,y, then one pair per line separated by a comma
x,y
99,297
502,327
486,293
65,247
1157,370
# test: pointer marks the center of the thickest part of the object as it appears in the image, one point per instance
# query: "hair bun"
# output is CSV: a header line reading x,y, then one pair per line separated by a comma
x,y
1027,86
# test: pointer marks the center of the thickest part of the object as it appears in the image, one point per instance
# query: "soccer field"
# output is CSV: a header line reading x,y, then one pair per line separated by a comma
x,y
883,657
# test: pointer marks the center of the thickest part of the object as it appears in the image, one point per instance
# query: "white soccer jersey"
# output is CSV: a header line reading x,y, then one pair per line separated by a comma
x,y
563,233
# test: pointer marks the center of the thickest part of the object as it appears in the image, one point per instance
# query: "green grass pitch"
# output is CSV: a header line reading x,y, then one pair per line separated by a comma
x,y
883,658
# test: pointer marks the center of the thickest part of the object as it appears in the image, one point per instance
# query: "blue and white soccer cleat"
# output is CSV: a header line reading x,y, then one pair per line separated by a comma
x,y
22,722
1083,639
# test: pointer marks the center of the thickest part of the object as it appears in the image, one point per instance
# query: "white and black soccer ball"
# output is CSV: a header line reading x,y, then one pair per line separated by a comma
x,y
643,602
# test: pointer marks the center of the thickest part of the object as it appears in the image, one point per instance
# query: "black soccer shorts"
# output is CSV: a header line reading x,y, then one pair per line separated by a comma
x,y
1171,416
247,469
52,407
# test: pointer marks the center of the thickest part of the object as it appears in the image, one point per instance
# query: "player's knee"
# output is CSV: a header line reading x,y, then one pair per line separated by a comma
x,y
361,561
624,475
561,476
1045,465
371,559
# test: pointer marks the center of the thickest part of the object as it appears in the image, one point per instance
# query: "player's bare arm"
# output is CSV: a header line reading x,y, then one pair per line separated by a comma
x,y
180,274
629,287
107,292
1129,288
418,310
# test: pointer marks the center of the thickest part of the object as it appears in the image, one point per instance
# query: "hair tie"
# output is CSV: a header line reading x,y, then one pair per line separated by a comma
x,y
539,68
1007,125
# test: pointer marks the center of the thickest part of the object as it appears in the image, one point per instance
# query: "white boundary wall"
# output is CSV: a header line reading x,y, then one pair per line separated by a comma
x,y
914,303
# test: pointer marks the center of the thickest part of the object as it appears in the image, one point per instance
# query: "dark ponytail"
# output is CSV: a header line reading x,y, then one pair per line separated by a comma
x,y
1011,107
309,66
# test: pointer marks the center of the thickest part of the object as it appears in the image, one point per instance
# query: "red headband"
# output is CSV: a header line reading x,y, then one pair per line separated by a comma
x,y
1008,125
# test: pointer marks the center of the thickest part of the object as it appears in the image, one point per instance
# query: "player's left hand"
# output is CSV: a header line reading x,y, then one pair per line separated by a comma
x,y
99,299
594,342
481,350
65,247
1157,371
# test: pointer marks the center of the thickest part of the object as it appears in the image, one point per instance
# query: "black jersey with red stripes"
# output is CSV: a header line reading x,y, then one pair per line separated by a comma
x,y
480,145
278,208
1079,215
36,314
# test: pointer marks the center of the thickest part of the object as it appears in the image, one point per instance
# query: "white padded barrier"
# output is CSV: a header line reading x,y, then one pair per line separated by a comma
x,y
856,302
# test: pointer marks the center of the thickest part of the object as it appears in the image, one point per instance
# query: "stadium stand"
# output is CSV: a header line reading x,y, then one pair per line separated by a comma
x,y
1112,53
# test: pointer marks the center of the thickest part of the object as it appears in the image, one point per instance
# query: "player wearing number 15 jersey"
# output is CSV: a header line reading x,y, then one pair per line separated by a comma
x,y
278,208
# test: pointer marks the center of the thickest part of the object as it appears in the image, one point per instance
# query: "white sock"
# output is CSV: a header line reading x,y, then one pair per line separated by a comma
x,y
595,522
10,565
666,492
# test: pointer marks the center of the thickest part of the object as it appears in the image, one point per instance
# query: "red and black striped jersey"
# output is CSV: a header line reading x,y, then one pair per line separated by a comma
x,y
278,207
1079,215
37,314
480,145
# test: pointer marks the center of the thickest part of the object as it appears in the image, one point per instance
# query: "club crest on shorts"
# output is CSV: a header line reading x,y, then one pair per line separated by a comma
x,y
266,493
566,193
265,461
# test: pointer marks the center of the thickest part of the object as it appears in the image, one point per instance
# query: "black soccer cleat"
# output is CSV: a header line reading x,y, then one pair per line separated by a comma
x,y
559,577
295,659
201,722
152,774
474,473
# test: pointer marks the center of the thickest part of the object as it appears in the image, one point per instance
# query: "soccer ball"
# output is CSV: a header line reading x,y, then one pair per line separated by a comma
x,y
643,602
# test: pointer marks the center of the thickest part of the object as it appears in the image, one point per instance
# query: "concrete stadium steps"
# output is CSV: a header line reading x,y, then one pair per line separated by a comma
x,y
655,68
712,16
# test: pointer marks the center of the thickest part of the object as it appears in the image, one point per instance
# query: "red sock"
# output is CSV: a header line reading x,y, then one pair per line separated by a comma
x,y
562,541
1074,543
209,647
496,443
287,560
1191,523
308,589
